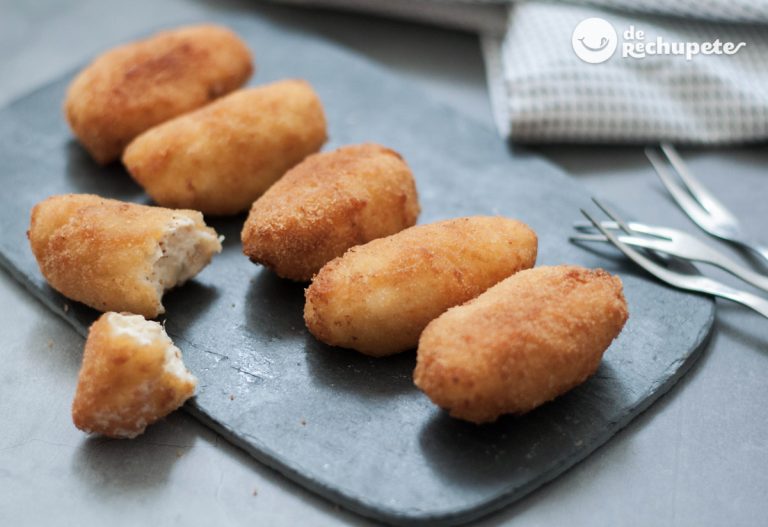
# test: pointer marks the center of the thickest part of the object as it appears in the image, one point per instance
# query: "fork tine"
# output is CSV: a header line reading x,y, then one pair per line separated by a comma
x,y
636,241
611,214
695,187
664,246
625,227
689,278
691,207
653,268
587,238
587,227
636,228
662,233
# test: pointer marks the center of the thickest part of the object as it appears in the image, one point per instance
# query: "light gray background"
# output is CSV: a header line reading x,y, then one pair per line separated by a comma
x,y
698,457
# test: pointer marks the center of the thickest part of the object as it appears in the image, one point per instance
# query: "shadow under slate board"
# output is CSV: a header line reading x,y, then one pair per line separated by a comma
x,y
351,428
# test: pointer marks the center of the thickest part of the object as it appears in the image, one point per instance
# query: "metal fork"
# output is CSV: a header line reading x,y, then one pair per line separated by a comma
x,y
687,277
675,243
699,204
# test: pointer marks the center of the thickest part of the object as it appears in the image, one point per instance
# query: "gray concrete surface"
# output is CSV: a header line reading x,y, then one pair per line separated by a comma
x,y
697,457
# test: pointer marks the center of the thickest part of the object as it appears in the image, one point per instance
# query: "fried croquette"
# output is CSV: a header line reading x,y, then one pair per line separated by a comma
x,y
328,203
222,157
378,297
132,375
523,342
116,256
134,87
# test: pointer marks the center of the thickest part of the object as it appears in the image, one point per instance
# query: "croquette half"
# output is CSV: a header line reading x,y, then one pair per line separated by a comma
x,y
117,256
131,376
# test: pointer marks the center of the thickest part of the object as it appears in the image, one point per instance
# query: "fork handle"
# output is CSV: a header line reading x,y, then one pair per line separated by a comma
x,y
759,250
748,275
754,302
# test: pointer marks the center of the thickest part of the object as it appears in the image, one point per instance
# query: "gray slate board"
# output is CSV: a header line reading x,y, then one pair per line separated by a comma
x,y
351,428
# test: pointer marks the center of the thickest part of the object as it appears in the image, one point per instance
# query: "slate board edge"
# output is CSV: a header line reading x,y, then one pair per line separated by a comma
x,y
369,510
359,505
377,512
395,517
483,509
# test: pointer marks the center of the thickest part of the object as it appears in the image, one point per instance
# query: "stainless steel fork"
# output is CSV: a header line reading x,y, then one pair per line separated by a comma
x,y
699,203
686,277
675,243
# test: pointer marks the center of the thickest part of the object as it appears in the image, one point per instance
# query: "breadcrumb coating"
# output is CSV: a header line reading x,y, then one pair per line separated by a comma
x,y
523,342
133,87
221,158
378,297
117,256
132,375
328,203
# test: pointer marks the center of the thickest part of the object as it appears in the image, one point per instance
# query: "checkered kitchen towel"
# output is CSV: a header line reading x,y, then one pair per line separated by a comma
x,y
543,92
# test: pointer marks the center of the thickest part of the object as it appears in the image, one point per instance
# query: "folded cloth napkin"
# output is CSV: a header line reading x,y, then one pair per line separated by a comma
x,y
688,71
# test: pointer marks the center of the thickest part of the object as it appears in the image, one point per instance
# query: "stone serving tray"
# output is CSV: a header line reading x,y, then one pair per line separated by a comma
x,y
351,428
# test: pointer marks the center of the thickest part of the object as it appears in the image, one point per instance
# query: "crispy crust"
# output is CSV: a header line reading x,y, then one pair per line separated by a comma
x,y
101,252
123,384
378,297
136,86
523,342
328,203
222,157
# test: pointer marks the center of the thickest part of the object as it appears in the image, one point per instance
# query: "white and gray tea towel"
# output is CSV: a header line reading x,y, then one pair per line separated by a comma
x,y
686,71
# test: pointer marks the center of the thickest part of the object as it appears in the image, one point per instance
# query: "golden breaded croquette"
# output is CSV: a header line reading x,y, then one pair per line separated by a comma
x,y
328,203
523,342
136,86
132,375
116,256
378,297
220,158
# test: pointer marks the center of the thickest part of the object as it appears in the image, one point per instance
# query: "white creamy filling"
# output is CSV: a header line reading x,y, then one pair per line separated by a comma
x,y
175,366
135,326
146,332
181,254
